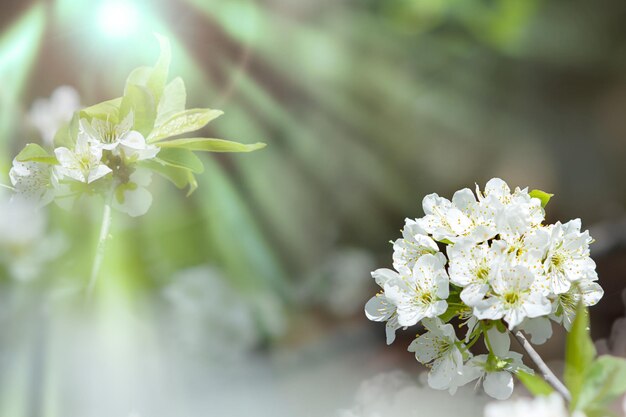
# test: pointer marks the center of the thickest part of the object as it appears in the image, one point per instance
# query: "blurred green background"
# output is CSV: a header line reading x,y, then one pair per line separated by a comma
x,y
367,106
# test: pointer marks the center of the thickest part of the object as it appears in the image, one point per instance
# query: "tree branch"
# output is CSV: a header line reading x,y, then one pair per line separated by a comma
x,y
546,372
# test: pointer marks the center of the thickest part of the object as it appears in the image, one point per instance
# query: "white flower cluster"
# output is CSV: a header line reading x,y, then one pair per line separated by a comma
x,y
504,269
104,152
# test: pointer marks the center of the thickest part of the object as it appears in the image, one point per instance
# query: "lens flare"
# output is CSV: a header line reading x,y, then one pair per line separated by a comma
x,y
118,18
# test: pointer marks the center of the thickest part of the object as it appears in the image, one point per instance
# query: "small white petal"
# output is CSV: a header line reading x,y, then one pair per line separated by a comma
x,y
498,385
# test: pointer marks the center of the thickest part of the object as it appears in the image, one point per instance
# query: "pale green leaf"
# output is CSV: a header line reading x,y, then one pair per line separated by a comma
x,y
158,77
35,153
139,76
181,158
140,102
172,101
67,133
211,145
541,195
450,313
193,183
177,175
107,110
184,122
535,384
579,354
604,382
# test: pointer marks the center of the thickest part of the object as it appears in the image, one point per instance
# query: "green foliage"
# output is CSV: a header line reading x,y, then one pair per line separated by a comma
x,y
66,135
593,382
35,153
541,195
138,100
181,158
184,122
107,110
454,306
605,381
158,112
534,383
158,77
211,145
176,175
579,354
173,101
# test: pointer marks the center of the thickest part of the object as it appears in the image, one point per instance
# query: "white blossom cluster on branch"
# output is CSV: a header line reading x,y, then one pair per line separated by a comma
x,y
487,261
112,148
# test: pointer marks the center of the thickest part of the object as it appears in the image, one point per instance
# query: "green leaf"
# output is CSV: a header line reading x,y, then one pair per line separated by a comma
x,y
600,412
181,158
193,183
210,145
67,133
184,122
604,382
450,313
158,77
172,101
579,354
535,384
138,76
35,153
178,176
454,306
140,102
107,110
541,195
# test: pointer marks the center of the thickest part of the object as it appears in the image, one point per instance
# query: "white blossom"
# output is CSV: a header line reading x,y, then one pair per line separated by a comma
x,y
414,243
472,267
132,197
33,182
514,213
513,298
565,305
495,370
420,292
567,256
47,115
501,263
439,349
83,163
119,138
539,329
380,308
443,219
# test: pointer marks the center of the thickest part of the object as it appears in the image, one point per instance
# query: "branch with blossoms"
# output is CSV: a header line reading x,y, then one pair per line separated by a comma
x,y
486,262
110,150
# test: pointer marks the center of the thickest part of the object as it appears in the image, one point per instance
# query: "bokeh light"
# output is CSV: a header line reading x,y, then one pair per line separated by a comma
x,y
118,18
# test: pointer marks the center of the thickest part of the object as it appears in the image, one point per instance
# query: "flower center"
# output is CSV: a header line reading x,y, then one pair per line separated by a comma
x,y
558,261
424,298
511,298
482,272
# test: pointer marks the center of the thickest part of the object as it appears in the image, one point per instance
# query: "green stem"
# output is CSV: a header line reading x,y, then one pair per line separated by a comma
x,y
473,342
487,342
104,234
